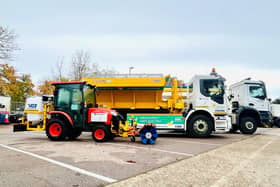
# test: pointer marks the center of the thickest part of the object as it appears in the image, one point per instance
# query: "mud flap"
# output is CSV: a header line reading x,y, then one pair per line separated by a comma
x,y
19,127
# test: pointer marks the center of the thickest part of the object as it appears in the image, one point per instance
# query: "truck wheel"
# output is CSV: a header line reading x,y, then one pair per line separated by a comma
x,y
100,133
278,123
56,130
233,129
248,125
74,133
200,126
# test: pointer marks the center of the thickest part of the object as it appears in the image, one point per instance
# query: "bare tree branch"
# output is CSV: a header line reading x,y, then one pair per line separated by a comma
x,y
7,43
58,70
80,65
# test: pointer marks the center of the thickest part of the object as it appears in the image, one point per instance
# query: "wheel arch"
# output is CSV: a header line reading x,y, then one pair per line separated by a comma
x,y
248,112
62,116
204,112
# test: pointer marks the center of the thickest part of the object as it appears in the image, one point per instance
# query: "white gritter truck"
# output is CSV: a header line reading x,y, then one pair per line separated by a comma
x,y
249,105
275,110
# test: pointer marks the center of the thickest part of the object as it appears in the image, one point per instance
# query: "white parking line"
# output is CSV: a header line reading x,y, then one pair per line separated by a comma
x,y
34,133
73,168
192,142
152,149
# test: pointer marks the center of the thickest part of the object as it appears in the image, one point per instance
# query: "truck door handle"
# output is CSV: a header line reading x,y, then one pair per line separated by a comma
x,y
251,104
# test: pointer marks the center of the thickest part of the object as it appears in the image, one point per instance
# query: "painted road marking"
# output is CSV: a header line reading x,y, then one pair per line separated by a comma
x,y
34,133
192,142
73,168
152,149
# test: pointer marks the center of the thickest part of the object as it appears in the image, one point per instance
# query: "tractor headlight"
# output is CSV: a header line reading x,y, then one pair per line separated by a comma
x,y
114,113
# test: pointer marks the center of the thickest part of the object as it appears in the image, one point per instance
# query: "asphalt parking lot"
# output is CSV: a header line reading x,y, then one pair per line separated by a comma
x,y
30,158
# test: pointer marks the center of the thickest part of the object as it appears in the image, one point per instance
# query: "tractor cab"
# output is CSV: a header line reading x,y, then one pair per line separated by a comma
x,y
74,99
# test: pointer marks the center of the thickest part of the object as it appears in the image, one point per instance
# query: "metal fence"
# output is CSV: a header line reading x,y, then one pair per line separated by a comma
x,y
17,107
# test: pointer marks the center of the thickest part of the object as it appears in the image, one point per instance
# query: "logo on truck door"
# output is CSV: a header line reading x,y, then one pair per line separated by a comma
x,y
32,106
98,117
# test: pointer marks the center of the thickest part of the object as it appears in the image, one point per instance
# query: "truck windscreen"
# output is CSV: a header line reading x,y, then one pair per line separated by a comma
x,y
213,88
257,91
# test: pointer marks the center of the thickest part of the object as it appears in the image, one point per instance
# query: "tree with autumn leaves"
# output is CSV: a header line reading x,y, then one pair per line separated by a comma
x,y
12,84
17,86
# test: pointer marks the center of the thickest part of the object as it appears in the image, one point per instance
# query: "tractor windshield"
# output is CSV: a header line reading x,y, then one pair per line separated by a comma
x,y
89,94
213,88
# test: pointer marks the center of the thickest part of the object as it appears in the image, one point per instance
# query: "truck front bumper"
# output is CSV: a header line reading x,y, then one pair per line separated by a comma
x,y
222,123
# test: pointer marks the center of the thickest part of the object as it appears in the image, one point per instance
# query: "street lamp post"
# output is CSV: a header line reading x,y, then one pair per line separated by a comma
x,y
129,71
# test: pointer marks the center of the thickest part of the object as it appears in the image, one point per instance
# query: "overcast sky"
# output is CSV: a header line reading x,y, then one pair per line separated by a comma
x,y
240,38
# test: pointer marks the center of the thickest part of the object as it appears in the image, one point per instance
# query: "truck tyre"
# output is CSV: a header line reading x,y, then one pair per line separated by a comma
x,y
200,126
248,125
277,123
100,133
56,130
74,133
233,129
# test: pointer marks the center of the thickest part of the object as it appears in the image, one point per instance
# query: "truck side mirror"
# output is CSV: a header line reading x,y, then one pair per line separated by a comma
x,y
269,99
230,97
235,104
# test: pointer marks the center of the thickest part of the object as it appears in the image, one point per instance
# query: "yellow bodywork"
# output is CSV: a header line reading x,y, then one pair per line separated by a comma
x,y
42,125
132,93
125,130
125,82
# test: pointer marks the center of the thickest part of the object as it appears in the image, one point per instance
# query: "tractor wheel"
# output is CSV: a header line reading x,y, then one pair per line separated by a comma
x,y
248,125
200,126
100,133
132,138
56,130
233,129
74,133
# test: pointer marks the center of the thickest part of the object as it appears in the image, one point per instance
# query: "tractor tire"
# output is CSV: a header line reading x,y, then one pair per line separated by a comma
x,y
100,133
74,133
200,126
248,125
233,129
56,130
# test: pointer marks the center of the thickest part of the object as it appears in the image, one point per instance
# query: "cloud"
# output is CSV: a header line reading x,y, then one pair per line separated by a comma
x,y
181,55
128,45
251,49
185,70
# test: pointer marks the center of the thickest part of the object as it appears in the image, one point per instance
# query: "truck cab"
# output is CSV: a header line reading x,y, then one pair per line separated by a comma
x,y
5,102
206,99
249,105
